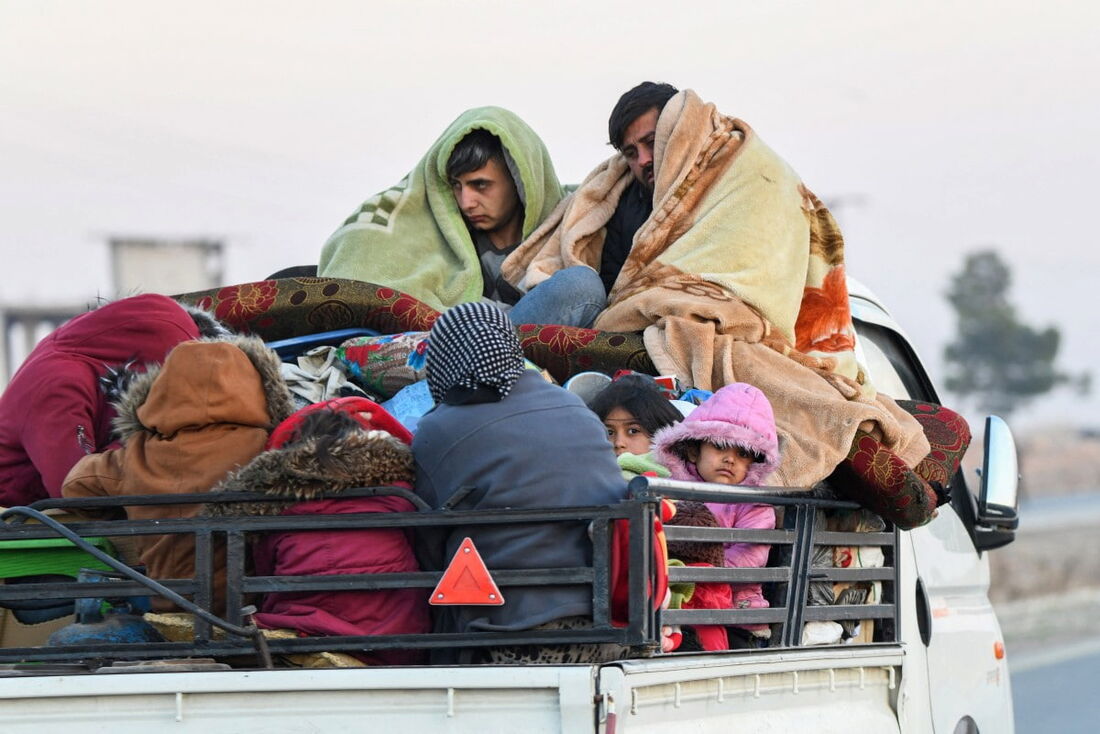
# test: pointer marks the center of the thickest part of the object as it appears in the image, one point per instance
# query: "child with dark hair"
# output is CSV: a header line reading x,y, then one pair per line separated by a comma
x,y
633,409
327,448
730,439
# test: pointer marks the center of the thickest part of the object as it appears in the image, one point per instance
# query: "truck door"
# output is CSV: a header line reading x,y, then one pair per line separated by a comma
x,y
957,628
967,672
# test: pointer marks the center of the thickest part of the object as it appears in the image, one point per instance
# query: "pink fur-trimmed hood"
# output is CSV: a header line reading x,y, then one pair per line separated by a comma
x,y
736,415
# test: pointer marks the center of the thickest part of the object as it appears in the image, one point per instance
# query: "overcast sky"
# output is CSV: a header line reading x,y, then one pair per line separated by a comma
x,y
938,128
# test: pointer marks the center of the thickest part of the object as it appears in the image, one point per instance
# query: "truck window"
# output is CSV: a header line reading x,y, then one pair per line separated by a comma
x,y
884,376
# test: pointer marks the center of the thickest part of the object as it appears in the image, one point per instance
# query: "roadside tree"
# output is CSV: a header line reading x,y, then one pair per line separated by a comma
x,y
995,360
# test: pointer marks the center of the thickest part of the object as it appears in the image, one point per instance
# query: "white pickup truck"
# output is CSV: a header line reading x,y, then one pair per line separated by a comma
x,y
927,655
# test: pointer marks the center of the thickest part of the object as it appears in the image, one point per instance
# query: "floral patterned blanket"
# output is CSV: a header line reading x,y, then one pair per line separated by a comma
x,y
737,276
736,248
290,307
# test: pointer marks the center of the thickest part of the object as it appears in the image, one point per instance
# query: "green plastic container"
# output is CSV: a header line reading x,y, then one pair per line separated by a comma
x,y
49,556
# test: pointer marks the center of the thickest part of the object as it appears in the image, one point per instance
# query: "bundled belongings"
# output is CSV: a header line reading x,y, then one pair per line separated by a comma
x,y
184,426
290,308
737,276
387,363
56,409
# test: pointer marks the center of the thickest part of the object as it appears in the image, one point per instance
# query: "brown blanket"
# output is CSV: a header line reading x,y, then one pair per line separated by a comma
x,y
738,276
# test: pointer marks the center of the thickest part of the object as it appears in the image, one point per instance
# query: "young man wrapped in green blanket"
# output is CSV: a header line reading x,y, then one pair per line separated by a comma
x,y
442,232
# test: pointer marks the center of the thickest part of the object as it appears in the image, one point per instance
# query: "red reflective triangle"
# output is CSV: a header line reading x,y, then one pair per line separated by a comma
x,y
467,580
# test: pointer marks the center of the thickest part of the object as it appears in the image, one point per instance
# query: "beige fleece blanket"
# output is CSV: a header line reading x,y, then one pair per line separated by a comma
x,y
738,276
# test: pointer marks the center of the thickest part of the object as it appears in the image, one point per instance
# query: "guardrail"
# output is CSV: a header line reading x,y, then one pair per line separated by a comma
x,y
791,570
788,576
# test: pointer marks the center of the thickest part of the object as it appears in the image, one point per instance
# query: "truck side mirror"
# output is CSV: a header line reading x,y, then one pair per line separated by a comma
x,y
998,505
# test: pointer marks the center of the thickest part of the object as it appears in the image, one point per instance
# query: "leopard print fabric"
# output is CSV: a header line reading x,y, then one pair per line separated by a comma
x,y
558,654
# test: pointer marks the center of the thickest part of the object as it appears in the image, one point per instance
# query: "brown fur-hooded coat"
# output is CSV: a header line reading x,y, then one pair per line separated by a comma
x,y
296,475
184,426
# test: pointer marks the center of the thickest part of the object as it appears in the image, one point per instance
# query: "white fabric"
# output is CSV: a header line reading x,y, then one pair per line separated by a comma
x,y
318,376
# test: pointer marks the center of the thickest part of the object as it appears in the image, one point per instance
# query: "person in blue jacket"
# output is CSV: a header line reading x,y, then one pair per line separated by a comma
x,y
518,442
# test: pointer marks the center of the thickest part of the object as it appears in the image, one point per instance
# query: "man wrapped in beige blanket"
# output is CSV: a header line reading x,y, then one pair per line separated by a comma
x,y
736,276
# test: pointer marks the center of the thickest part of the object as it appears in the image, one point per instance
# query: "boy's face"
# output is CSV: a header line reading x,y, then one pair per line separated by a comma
x,y
625,433
720,465
487,197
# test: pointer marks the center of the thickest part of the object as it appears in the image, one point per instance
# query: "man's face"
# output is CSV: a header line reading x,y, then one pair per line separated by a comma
x,y
487,197
638,146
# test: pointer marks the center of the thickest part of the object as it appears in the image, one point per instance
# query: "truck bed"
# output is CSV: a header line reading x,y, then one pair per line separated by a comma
x,y
841,689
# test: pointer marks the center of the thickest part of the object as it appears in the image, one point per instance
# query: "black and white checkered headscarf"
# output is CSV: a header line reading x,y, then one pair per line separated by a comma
x,y
473,346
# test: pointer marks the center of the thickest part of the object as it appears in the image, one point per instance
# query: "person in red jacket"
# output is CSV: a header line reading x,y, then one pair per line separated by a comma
x,y
326,448
55,410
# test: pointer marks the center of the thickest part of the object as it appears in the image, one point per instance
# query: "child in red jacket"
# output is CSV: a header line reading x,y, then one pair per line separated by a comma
x,y
326,448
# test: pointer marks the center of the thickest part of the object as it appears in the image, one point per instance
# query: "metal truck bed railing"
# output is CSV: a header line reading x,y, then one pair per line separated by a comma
x,y
791,569
789,574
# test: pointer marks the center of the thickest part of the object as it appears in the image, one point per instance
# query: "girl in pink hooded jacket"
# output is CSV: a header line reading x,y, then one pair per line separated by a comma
x,y
729,439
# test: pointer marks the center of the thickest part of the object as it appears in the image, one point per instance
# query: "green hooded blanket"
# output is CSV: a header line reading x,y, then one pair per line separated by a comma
x,y
412,237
